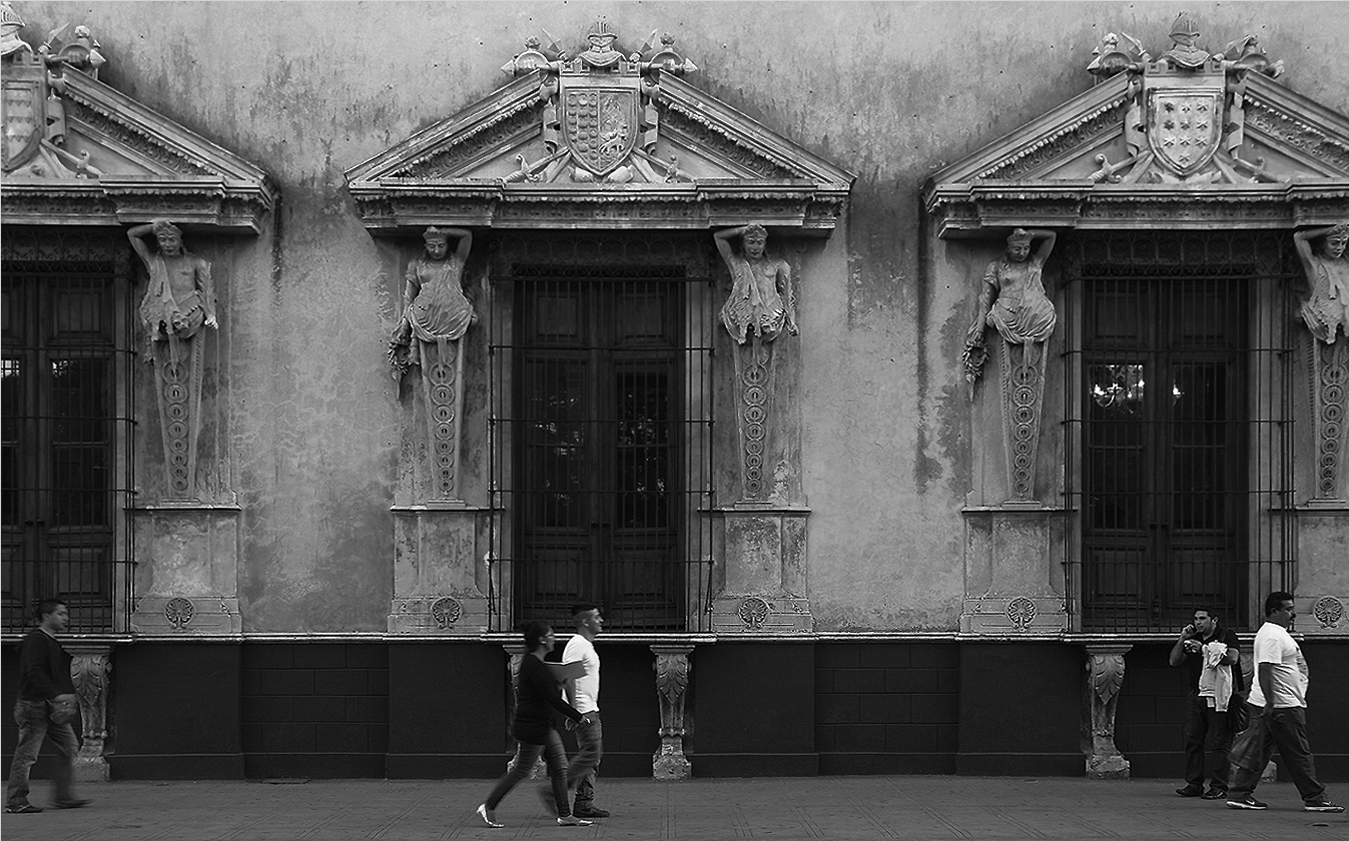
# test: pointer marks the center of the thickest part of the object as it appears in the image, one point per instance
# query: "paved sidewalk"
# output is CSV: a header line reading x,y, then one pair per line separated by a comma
x,y
883,807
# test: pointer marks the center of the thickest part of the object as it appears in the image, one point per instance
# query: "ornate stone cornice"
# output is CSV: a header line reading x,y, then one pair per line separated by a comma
x,y
393,205
969,208
748,172
162,170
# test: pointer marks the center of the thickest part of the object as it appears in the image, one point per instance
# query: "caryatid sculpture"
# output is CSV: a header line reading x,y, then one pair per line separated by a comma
x,y
1325,309
760,307
179,302
436,315
1013,302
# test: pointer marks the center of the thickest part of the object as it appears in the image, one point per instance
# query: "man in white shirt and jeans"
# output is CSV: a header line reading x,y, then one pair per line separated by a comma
x,y
584,694
1277,703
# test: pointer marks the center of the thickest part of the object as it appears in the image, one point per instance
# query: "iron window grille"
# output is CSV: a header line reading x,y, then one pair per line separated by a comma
x,y
600,439
66,432
1179,427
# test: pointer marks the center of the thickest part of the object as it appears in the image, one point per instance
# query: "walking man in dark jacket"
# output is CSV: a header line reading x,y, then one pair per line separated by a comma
x,y
45,706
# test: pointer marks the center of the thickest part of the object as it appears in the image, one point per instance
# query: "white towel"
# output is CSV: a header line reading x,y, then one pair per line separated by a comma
x,y
1216,679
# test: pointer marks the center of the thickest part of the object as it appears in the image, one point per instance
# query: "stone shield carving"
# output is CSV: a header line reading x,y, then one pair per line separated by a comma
x,y
600,123
22,106
1185,126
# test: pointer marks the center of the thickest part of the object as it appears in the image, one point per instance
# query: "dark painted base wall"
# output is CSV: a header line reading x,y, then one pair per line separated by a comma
x,y
438,709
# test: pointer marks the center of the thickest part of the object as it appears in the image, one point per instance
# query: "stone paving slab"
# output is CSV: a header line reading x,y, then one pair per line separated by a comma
x,y
882,807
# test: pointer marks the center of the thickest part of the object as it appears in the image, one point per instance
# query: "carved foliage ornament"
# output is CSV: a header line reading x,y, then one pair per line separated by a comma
x,y
1329,612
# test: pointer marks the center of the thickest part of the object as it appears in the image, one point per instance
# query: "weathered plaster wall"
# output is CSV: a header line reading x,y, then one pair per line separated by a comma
x,y
890,91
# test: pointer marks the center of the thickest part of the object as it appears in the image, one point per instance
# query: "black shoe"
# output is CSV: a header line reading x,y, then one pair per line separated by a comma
x,y
590,812
1215,794
22,808
1321,805
1246,802
71,804
1191,791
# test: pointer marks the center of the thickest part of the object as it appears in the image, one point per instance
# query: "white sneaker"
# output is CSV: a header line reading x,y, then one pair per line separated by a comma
x,y
573,821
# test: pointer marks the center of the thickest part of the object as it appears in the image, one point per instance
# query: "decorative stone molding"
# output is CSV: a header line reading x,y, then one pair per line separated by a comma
x,y
1258,156
1329,613
1105,669
524,157
200,616
758,614
672,689
439,585
1328,371
1021,615
90,669
97,157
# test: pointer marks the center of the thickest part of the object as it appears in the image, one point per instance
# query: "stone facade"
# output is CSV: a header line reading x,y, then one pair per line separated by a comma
x,y
865,481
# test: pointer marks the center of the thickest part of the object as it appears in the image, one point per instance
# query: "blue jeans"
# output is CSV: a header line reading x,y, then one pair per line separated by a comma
x,y
581,771
527,754
34,727
1208,738
1285,729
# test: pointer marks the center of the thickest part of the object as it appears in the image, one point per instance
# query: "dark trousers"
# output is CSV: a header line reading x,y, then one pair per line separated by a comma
x,y
1208,738
527,754
1285,729
34,727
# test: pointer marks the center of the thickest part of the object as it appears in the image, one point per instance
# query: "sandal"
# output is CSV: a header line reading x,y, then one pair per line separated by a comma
x,y
22,808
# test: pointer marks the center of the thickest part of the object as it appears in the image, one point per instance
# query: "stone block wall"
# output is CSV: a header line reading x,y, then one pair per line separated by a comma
x,y
315,709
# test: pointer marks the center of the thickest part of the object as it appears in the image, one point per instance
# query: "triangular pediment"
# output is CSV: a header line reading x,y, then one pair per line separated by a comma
x,y
1108,158
623,144
88,154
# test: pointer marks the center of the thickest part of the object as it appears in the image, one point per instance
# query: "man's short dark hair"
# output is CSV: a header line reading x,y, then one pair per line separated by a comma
x,y
1276,600
583,607
1209,612
46,607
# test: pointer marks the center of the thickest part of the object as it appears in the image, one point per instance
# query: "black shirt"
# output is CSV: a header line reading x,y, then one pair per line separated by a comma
x,y
537,696
1195,661
44,668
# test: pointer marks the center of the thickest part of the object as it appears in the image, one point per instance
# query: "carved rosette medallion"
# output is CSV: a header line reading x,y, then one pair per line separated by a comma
x,y
756,385
1330,368
753,612
1329,611
179,612
1021,612
446,611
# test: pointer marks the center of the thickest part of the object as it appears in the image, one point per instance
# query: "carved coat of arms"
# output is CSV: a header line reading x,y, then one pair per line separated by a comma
x,y
1185,126
23,113
600,122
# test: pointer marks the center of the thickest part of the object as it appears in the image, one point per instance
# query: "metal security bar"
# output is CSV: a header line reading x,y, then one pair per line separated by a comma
x,y
601,446
65,435
1179,474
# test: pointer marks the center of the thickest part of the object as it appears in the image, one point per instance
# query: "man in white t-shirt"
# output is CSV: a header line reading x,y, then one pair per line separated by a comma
x,y
584,694
1277,701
